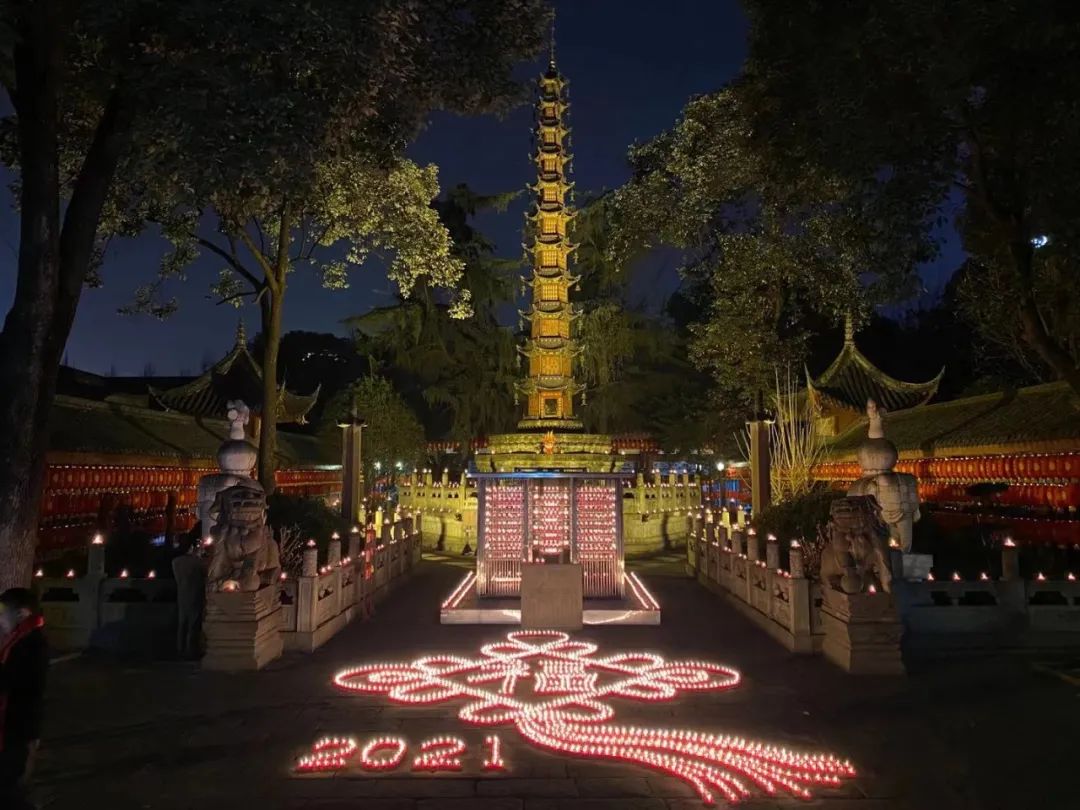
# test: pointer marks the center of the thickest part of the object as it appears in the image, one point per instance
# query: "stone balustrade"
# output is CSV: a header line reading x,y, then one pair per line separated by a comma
x,y
937,615
127,613
729,560
324,599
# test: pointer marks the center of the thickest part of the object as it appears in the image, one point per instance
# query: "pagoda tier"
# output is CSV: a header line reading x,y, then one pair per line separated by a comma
x,y
550,349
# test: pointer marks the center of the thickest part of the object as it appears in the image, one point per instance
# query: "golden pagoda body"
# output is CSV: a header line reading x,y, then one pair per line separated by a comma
x,y
550,436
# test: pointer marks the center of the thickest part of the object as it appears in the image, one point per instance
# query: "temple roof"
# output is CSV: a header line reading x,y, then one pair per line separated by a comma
x,y
852,379
1040,418
110,428
236,376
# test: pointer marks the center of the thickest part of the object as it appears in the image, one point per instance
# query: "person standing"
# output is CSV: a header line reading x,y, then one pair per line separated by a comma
x,y
24,660
189,571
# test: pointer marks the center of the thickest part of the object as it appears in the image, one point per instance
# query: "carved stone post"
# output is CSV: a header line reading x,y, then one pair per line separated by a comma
x,y
738,538
753,546
797,561
307,589
354,543
772,552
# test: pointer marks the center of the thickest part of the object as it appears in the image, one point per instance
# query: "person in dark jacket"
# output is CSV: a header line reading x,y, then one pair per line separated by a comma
x,y
24,659
189,571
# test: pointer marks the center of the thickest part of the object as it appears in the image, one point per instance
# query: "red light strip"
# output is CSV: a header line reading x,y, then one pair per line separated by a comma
x,y
459,592
494,762
641,592
576,721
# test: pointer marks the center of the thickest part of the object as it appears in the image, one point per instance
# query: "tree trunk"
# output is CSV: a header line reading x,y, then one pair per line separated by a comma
x,y
1033,330
28,357
271,307
52,265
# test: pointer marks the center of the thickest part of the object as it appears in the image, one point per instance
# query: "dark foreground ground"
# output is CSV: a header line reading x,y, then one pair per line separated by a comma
x,y
964,734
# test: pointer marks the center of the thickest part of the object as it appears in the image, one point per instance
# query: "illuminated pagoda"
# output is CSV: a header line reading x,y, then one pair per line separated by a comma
x,y
550,431
550,350
550,492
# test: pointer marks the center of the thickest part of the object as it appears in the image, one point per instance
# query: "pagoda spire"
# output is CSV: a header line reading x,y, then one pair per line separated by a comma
x,y
549,388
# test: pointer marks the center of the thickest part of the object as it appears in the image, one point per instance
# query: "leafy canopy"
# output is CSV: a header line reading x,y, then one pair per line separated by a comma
x,y
768,253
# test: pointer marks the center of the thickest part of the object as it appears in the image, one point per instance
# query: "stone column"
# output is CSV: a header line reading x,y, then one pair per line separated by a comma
x,y
352,467
760,460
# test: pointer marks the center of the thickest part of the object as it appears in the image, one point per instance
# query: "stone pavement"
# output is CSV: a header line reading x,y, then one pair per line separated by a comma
x,y
966,734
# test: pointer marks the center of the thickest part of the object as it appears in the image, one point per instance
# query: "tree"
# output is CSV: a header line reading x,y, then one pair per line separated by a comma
x,y
393,433
462,370
115,102
349,193
969,106
770,257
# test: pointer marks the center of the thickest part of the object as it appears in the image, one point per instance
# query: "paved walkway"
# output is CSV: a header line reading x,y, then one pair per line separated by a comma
x,y
967,735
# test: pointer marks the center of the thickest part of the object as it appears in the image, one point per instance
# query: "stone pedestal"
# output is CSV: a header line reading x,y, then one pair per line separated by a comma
x,y
551,596
916,566
862,632
243,629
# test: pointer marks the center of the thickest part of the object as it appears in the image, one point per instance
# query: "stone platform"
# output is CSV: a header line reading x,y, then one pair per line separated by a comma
x,y
463,606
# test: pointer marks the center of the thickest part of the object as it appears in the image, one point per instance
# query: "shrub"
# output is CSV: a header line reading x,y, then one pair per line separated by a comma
x,y
797,518
305,516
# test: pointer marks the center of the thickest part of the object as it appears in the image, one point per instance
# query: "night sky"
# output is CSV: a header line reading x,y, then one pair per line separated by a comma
x,y
632,65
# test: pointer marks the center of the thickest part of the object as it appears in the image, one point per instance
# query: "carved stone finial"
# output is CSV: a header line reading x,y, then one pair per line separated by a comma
x,y
876,429
238,416
241,333
849,329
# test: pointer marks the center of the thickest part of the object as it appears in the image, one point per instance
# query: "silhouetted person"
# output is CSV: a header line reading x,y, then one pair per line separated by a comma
x,y
189,571
24,660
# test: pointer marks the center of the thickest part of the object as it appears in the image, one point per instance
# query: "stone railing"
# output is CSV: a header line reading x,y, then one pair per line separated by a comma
x,y
728,559
128,613
322,600
935,615
119,613
954,612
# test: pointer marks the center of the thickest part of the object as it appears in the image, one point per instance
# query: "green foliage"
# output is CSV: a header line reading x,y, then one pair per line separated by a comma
x,y
769,255
393,433
311,516
798,518
633,361
463,370
970,102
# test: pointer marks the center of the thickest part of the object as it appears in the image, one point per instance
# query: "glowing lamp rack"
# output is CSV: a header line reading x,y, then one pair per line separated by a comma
x,y
543,517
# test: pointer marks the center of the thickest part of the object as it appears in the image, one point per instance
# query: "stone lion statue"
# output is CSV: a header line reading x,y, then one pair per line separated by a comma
x,y
244,550
856,548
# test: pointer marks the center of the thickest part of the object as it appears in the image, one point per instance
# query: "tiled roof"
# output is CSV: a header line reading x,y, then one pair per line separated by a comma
x,y
852,379
235,376
1041,417
84,426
